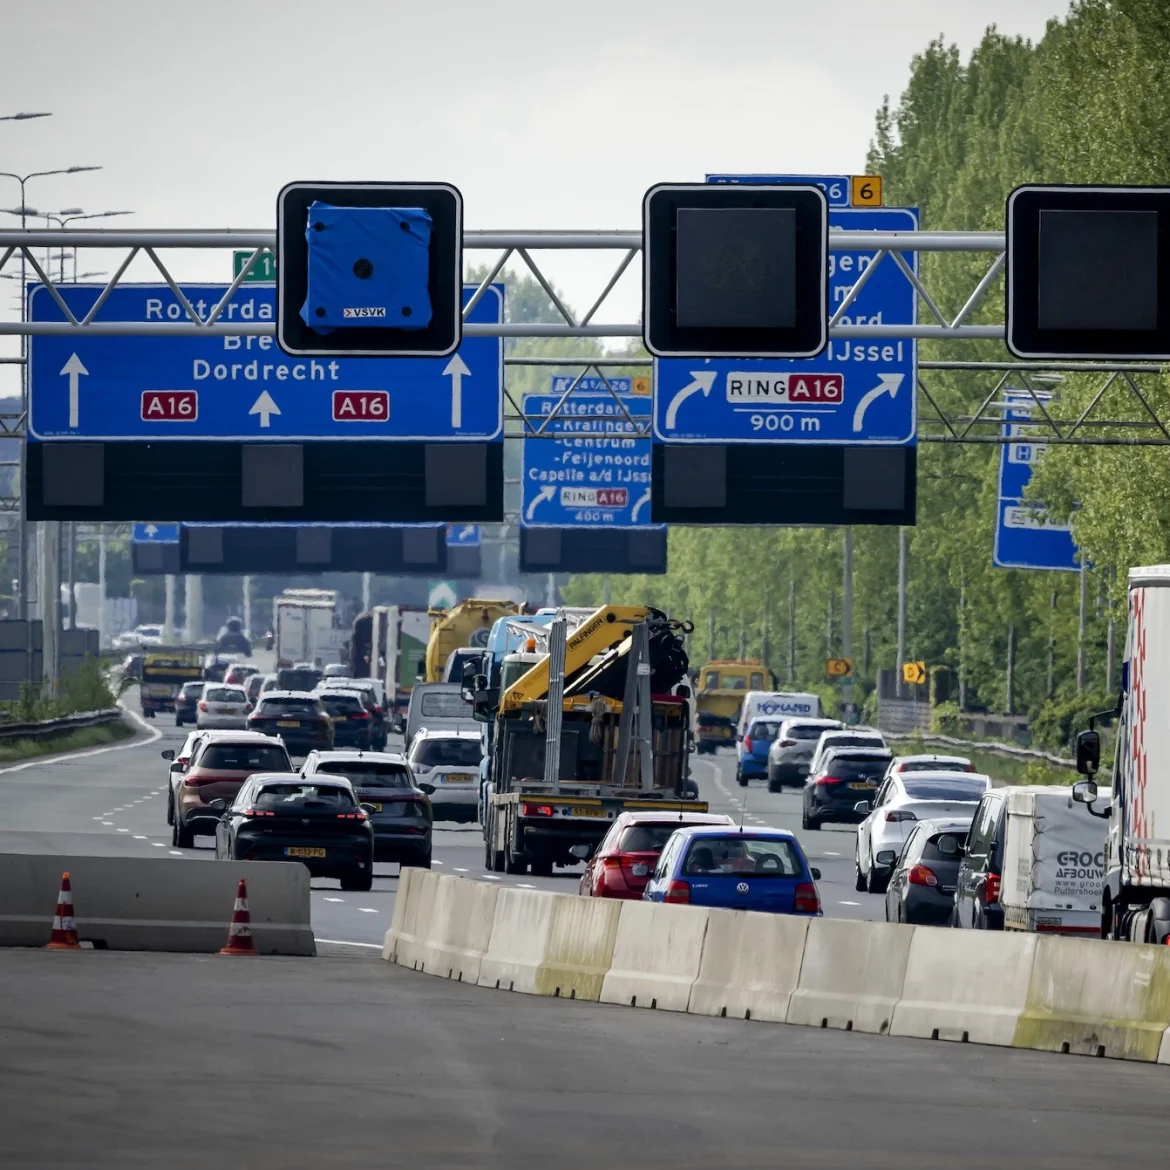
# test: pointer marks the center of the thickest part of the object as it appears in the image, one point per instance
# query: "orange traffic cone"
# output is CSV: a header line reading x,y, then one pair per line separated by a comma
x,y
64,936
240,941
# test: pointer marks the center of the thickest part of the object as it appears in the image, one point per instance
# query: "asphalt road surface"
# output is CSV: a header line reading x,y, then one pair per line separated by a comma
x,y
112,801
133,1061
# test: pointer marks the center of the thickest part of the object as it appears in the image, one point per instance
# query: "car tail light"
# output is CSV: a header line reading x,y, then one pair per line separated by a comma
x,y
806,900
202,705
898,814
257,812
536,810
678,892
357,816
921,875
247,708
360,715
611,863
747,743
828,781
992,888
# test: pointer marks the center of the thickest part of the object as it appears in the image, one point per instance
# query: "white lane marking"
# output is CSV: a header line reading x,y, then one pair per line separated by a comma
x,y
488,877
120,808
848,903
367,910
97,818
153,736
340,942
440,863
158,844
108,824
830,853
175,852
334,899
146,798
460,869
526,885
138,838
123,830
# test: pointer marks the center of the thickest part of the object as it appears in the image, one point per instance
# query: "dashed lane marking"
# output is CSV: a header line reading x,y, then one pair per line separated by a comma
x,y
340,942
489,877
848,903
108,824
367,910
460,869
158,844
123,830
175,852
526,885
139,838
334,899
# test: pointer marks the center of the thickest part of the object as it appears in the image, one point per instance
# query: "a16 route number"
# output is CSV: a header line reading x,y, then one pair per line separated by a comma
x,y
361,406
170,405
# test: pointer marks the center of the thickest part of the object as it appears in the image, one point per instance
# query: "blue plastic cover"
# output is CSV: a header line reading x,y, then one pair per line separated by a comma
x,y
368,268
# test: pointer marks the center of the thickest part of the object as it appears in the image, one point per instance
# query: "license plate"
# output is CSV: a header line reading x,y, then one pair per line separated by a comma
x,y
303,851
862,786
225,710
586,811
454,778
640,870
288,723
375,807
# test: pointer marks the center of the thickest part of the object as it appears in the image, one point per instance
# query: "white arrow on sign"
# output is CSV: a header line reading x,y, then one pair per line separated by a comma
x,y
887,384
546,493
645,499
265,408
74,369
151,531
456,369
703,380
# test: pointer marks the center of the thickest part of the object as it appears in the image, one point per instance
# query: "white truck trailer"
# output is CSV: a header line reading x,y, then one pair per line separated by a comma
x,y
1135,898
305,627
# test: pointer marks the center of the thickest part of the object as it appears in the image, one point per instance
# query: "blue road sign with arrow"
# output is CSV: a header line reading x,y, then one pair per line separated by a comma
x,y
151,533
463,536
856,392
596,472
1024,536
85,386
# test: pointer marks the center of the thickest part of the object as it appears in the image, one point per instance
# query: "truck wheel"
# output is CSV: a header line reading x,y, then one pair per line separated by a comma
x,y
1159,927
514,862
488,855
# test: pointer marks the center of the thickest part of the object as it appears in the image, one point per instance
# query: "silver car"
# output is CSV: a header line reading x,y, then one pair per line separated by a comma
x,y
792,750
222,708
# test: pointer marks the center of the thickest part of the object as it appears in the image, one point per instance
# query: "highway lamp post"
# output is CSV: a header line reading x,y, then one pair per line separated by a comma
x,y
63,219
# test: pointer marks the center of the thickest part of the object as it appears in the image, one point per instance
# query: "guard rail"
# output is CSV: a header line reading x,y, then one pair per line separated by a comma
x,y
46,729
1003,749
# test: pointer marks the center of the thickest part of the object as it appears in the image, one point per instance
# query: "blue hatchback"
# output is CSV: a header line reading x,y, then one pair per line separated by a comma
x,y
752,751
736,869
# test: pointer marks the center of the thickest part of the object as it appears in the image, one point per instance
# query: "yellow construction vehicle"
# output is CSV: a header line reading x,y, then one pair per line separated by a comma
x,y
468,624
722,687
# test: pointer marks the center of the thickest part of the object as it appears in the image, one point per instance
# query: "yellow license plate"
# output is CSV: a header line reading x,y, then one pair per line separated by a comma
x,y
454,778
375,807
303,851
587,811
288,723
225,710
867,787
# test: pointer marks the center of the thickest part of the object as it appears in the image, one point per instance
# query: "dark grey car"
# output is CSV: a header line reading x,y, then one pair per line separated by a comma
x,y
922,885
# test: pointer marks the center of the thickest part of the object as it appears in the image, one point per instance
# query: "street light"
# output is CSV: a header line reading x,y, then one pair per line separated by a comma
x,y
22,117
66,217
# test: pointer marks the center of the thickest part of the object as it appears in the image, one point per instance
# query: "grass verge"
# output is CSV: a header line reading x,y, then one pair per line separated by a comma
x,y
85,737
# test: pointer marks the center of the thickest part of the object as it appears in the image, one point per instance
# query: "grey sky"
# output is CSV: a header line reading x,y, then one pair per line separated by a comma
x,y
545,114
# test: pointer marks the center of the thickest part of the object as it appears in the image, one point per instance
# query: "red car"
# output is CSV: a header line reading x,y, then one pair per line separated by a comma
x,y
626,857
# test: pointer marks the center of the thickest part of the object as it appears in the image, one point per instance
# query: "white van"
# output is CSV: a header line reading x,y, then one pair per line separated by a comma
x,y
1053,862
438,707
777,705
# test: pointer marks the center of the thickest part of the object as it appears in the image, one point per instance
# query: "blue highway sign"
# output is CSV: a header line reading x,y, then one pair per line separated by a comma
x,y
136,388
1024,537
594,474
150,533
835,187
592,384
855,392
463,536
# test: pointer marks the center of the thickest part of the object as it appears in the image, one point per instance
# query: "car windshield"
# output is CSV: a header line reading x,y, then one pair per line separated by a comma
x,y
224,695
736,854
958,787
935,766
444,705
298,680
369,773
763,730
858,740
452,753
341,704
192,690
244,757
803,731
253,685
289,707
648,838
863,768
303,795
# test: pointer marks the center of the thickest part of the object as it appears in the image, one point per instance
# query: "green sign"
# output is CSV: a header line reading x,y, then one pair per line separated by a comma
x,y
264,270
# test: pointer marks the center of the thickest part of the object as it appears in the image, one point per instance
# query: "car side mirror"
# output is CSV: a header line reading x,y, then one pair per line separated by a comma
x,y
816,874
863,808
885,857
427,788
581,852
1084,791
218,805
1088,753
169,754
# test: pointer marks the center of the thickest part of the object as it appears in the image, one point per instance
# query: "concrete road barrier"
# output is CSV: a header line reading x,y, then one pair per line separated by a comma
x,y
155,904
579,949
968,985
852,975
519,939
656,956
402,904
1097,999
459,930
413,904
750,965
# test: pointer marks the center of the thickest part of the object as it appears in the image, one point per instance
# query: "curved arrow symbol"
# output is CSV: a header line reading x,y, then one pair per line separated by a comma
x,y
703,380
887,384
74,369
645,499
456,369
546,493
265,407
